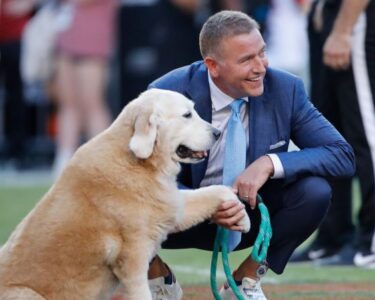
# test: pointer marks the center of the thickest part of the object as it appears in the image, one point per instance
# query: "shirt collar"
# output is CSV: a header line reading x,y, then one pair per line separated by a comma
x,y
220,99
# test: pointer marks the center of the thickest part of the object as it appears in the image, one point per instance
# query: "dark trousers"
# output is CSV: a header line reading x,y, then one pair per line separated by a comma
x,y
296,210
15,107
335,94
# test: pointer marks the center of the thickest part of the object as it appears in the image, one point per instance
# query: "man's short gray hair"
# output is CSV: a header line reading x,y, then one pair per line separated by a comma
x,y
223,24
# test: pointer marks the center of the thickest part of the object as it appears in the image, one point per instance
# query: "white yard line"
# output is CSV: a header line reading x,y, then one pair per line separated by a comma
x,y
205,272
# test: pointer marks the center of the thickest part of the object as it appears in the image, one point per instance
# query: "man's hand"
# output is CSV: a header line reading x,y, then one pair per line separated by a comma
x,y
246,187
252,179
337,50
229,214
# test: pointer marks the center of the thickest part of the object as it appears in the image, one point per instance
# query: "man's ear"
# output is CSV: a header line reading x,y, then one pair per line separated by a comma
x,y
145,130
212,66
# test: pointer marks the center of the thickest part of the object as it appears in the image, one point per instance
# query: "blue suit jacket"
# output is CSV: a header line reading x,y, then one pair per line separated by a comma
x,y
282,113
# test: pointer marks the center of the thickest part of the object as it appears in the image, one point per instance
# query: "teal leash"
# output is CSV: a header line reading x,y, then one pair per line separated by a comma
x,y
262,242
258,254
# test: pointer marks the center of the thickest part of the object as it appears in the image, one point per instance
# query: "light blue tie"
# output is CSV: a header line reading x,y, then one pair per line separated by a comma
x,y
234,157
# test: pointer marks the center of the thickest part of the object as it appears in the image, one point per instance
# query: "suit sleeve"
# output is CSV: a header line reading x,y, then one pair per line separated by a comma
x,y
324,152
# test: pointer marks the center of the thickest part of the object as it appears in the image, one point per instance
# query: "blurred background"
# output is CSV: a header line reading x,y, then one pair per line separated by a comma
x,y
136,41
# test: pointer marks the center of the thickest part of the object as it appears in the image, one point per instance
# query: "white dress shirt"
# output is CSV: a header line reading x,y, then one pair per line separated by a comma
x,y
221,112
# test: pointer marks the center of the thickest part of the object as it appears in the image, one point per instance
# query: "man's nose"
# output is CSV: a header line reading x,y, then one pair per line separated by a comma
x,y
258,65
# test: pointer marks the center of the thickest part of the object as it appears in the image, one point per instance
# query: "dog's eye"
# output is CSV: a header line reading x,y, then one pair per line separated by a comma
x,y
188,115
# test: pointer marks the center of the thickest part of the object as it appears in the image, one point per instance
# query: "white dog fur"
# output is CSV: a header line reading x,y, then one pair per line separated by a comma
x,y
106,216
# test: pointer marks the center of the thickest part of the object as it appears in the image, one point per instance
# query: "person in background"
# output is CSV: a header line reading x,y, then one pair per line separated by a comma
x,y
287,51
14,14
342,43
158,36
83,50
234,85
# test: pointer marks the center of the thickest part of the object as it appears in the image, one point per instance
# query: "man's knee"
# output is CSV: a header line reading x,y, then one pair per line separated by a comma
x,y
316,193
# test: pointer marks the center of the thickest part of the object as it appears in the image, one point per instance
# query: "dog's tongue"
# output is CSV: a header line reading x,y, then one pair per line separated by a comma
x,y
199,154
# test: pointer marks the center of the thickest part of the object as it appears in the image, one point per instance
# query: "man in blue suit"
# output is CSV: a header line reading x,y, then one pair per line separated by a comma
x,y
276,111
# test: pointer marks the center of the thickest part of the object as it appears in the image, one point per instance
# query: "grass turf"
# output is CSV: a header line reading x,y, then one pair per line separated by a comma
x,y
192,267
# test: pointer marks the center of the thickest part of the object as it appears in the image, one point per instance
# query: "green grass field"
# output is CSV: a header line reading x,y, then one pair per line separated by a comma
x,y
192,266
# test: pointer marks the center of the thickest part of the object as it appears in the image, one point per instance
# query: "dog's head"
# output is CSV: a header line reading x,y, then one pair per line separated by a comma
x,y
166,122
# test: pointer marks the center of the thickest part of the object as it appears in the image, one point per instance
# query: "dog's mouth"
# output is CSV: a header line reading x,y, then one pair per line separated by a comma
x,y
185,152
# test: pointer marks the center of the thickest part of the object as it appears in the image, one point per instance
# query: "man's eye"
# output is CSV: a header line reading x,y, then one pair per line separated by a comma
x,y
188,115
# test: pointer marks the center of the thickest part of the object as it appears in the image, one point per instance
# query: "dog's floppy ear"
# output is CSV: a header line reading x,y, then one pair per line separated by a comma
x,y
145,130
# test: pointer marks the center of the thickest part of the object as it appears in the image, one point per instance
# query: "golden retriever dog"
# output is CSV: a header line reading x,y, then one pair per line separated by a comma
x,y
105,218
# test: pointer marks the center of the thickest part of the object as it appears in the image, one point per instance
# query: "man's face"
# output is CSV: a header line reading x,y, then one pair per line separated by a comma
x,y
239,67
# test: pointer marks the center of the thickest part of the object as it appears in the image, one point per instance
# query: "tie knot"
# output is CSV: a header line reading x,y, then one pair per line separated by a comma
x,y
236,105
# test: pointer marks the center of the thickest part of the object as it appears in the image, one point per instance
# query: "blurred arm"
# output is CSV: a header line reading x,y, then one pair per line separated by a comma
x,y
19,8
189,6
337,48
232,4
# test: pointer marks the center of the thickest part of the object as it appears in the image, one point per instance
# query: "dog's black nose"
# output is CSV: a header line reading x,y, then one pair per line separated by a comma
x,y
216,132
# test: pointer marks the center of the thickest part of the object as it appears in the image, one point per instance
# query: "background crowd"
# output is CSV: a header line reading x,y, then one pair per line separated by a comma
x,y
105,52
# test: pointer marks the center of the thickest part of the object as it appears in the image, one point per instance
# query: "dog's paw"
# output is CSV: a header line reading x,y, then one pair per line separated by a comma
x,y
245,223
226,194
222,193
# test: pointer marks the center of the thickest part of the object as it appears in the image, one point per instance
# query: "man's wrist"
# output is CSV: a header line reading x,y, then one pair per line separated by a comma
x,y
342,29
278,169
271,168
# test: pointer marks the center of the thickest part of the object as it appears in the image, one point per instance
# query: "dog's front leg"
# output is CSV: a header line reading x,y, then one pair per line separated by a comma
x,y
131,268
201,204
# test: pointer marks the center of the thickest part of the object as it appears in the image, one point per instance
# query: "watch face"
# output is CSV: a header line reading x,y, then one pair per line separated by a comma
x,y
262,270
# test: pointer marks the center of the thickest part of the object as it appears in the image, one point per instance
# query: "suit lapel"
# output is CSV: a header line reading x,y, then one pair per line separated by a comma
x,y
261,122
198,90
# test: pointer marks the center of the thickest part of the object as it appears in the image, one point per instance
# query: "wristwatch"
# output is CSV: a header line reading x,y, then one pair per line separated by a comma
x,y
262,269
